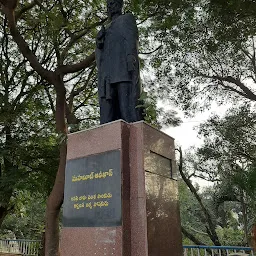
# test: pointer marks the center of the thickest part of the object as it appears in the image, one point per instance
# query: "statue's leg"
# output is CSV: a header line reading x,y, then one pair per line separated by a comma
x,y
140,111
106,111
127,102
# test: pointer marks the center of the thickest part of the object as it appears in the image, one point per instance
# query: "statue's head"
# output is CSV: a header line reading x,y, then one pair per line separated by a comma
x,y
114,7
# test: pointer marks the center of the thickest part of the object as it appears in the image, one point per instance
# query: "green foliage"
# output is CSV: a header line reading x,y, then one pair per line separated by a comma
x,y
235,18
26,220
230,236
227,158
191,214
229,146
226,217
28,141
204,45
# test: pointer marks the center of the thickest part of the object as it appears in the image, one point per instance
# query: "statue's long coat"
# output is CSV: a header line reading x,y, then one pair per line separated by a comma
x,y
121,40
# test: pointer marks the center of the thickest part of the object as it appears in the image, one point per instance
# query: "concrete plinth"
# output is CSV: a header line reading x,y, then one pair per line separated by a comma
x,y
141,183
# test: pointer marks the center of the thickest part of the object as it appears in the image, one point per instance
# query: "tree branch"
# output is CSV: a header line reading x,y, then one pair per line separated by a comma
x,y
191,236
86,99
23,85
147,53
213,235
76,92
25,8
66,69
23,46
247,92
253,57
75,38
230,88
46,88
194,239
71,118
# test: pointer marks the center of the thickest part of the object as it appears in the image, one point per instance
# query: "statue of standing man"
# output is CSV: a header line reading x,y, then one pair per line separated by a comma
x,y
118,66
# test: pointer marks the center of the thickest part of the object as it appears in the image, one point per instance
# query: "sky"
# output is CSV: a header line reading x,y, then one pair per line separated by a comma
x,y
185,135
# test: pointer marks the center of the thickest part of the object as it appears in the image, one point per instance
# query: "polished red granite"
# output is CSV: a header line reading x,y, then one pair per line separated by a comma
x,y
150,209
155,221
91,241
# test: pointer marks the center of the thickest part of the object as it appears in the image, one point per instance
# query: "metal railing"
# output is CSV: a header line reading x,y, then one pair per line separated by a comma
x,y
20,247
31,248
203,250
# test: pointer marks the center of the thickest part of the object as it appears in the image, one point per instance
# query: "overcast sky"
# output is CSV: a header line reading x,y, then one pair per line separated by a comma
x,y
185,135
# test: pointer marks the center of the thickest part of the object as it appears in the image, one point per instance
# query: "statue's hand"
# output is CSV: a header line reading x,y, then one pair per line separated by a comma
x,y
131,62
101,33
100,38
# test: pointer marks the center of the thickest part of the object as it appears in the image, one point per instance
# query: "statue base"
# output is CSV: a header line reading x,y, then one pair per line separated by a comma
x,y
121,196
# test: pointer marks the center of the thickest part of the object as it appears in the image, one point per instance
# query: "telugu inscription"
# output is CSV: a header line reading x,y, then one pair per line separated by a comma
x,y
93,191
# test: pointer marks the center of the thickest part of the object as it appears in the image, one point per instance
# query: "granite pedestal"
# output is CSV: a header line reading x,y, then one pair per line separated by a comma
x,y
121,195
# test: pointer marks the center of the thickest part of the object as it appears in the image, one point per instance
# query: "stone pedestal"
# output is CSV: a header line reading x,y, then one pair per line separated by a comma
x,y
121,195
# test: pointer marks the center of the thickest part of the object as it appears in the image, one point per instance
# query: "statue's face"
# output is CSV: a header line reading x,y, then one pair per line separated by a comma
x,y
114,7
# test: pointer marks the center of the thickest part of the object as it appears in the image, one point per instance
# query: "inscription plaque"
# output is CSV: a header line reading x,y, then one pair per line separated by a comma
x,y
92,196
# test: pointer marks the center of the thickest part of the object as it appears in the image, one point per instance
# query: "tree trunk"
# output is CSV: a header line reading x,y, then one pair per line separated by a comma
x,y
54,203
254,237
191,237
9,169
208,218
245,220
3,213
42,247
55,200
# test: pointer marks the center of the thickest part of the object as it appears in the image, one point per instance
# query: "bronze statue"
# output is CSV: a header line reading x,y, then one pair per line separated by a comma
x,y
118,66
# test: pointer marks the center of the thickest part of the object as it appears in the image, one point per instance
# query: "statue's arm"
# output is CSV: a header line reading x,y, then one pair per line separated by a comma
x,y
130,33
100,38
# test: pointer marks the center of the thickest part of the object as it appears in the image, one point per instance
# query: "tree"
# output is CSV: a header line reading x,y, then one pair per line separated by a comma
x,y
26,221
227,158
227,226
207,217
206,52
56,78
230,153
20,93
